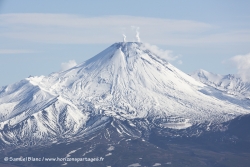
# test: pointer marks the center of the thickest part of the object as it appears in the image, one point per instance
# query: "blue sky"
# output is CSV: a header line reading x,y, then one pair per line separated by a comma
x,y
41,37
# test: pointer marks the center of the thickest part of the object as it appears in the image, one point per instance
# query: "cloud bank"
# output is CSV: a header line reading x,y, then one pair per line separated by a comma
x,y
14,51
242,63
68,65
77,29
164,54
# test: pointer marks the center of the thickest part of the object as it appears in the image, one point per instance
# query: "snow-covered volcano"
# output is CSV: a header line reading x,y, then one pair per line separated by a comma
x,y
127,81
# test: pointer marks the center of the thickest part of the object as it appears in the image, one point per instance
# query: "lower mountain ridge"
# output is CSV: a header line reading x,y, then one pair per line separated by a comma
x,y
231,83
227,147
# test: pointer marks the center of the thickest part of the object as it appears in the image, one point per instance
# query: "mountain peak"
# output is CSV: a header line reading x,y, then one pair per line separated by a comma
x,y
128,81
129,46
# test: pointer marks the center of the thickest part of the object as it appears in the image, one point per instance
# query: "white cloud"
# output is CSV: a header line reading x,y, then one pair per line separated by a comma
x,y
68,65
165,54
14,51
242,63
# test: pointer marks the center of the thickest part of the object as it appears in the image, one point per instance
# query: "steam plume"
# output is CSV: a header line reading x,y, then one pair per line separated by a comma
x,y
137,35
124,38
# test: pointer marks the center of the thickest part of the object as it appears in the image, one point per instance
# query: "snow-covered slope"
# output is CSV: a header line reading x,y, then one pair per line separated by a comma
x,y
230,83
126,82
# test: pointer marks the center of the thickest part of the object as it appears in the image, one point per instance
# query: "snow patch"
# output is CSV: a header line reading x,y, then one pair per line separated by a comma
x,y
134,165
111,148
71,152
177,125
109,154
